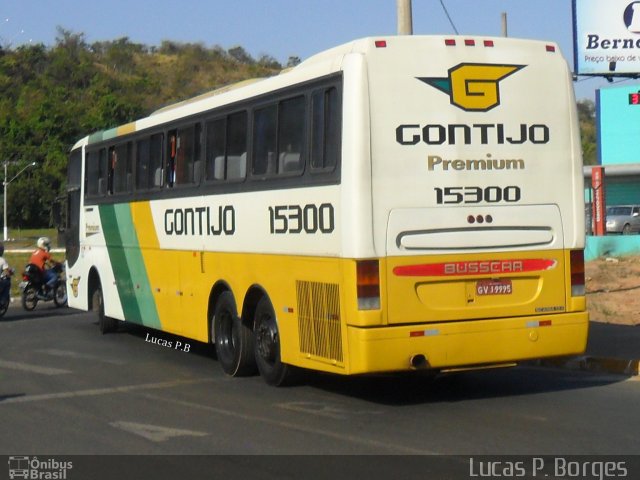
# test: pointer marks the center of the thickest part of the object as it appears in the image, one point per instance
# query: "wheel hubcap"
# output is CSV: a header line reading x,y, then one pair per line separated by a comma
x,y
267,339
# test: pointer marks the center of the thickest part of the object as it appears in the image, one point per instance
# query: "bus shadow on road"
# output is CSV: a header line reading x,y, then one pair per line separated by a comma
x,y
421,388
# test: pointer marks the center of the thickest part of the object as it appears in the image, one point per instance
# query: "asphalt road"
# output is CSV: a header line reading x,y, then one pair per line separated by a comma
x,y
66,389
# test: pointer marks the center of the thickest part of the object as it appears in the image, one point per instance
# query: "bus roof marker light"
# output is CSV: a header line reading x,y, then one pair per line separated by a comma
x,y
450,42
381,43
550,48
488,43
470,43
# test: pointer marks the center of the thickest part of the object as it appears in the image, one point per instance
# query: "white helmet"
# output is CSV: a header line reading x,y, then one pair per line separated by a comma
x,y
44,243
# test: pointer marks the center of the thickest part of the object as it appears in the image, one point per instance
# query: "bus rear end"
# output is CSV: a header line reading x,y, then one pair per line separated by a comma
x,y
477,204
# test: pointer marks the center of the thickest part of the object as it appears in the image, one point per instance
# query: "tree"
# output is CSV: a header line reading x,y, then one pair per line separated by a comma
x,y
240,54
587,120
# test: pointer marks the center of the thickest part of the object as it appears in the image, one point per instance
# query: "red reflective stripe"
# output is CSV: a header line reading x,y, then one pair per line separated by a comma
x,y
485,267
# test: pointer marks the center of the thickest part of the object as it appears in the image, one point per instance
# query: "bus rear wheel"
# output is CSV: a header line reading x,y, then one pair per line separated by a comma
x,y
267,347
233,339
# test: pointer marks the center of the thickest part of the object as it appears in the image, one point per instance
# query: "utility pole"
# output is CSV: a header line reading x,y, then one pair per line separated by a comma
x,y
6,185
405,18
505,33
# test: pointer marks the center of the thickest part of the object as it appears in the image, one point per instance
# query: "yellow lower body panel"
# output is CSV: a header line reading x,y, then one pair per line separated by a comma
x,y
466,343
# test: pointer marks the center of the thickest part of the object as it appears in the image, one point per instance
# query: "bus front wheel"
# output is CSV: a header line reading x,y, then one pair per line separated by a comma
x,y
267,347
233,339
106,324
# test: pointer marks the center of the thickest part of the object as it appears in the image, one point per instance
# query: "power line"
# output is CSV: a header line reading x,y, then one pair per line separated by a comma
x,y
449,17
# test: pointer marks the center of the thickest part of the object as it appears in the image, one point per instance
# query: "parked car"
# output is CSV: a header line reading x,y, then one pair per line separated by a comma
x,y
623,219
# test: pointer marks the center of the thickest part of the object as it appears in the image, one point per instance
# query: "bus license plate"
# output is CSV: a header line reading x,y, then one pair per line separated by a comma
x,y
494,287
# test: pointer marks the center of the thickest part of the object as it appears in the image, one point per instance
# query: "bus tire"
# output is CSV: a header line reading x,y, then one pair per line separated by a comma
x,y
233,339
105,324
267,347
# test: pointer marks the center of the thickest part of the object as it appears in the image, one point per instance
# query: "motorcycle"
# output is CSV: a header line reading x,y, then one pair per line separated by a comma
x,y
34,289
5,283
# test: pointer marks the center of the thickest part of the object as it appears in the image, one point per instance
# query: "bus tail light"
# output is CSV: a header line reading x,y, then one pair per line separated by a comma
x,y
368,284
577,273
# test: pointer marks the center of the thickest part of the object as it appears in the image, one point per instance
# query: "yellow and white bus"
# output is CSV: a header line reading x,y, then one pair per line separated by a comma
x,y
390,204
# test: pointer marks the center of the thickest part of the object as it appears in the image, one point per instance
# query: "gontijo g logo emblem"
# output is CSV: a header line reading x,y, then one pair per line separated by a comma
x,y
473,87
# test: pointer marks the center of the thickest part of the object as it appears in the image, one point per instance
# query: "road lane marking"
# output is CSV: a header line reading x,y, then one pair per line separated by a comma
x,y
325,410
155,433
368,442
25,367
102,391
82,356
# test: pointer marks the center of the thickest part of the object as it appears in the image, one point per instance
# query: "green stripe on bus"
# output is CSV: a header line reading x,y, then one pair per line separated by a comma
x,y
135,263
126,261
95,137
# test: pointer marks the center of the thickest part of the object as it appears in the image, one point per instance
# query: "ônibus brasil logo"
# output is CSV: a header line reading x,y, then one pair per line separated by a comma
x,y
473,87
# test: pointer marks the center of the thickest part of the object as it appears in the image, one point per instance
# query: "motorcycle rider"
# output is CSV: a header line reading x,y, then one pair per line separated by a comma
x,y
5,278
42,258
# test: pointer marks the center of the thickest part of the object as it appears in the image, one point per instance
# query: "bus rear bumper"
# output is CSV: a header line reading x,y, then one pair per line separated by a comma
x,y
466,344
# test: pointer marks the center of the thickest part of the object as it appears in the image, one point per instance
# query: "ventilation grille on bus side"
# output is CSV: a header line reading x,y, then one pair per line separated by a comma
x,y
319,320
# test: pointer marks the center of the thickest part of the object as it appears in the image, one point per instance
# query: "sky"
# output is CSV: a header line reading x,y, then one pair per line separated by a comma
x,y
283,28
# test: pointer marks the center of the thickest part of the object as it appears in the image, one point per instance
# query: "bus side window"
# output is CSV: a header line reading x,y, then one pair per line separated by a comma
x,y
111,167
291,135
122,165
172,152
102,172
325,130
236,146
143,164
264,141
155,161
216,133
95,181
188,153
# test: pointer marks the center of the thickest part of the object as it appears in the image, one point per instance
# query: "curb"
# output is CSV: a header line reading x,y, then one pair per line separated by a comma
x,y
30,250
617,366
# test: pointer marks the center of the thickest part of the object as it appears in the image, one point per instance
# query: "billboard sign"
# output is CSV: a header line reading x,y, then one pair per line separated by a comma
x,y
606,37
618,121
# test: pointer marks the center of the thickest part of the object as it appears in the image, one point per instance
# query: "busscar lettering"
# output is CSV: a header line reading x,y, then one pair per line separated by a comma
x,y
200,221
497,266
477,133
